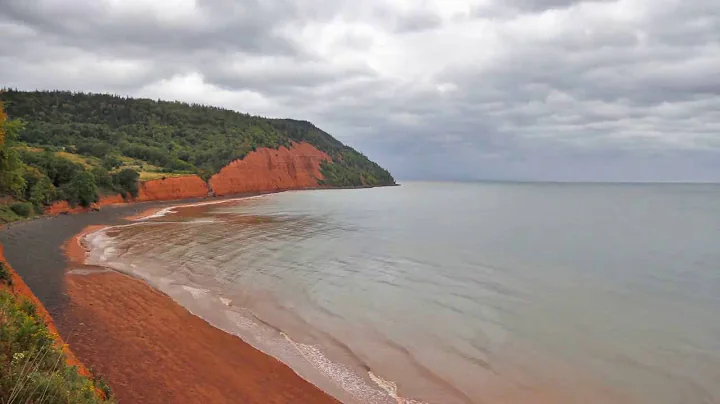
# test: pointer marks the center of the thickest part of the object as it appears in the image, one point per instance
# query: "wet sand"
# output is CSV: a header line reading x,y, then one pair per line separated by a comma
x,y
149,348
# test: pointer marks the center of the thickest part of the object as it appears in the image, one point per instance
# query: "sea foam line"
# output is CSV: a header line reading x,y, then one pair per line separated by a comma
x,y
172,209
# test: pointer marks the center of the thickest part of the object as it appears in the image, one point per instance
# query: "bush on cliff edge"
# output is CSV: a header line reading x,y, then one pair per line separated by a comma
x,y
33,367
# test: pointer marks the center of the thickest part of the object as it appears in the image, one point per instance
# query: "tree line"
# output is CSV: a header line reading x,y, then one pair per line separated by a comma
x,y
174,137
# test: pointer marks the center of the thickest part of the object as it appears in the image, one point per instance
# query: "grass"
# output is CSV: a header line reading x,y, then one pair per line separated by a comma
x,y
34,368
84,161
146,170
149,175
7,215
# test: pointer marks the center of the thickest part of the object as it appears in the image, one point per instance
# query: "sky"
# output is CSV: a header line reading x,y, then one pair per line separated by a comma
x,y
559,90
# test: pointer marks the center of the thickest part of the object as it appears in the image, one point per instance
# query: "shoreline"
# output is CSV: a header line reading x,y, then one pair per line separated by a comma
x,y
148,347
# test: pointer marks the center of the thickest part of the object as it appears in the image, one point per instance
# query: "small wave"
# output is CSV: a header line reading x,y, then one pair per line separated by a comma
x,y
83,271
340,374
391,388
197,293
173,209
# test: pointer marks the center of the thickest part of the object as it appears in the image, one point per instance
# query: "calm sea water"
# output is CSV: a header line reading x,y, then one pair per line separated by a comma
x,y
457,292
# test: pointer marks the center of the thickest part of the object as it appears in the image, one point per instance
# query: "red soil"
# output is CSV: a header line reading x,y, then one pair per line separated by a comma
x,y
172,188
152,350
263,170
270,170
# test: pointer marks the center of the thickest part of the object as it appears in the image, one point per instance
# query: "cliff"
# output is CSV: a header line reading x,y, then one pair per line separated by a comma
x,y
171,188
263,170
271,170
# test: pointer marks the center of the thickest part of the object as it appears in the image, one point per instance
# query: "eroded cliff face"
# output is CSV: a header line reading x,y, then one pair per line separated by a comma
x,y
62,207
171,188
271,170
264,170
168,189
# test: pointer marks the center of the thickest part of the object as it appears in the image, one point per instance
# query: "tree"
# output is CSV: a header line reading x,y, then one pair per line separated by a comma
x,y
83,190
174,136
40,190
11,173
11,168
127,181
43,192
102,177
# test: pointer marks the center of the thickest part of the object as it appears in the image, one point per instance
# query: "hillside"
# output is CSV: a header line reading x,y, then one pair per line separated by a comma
x,y
77,147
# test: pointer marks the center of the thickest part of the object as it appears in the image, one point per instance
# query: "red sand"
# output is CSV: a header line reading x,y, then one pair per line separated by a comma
x,y
152,350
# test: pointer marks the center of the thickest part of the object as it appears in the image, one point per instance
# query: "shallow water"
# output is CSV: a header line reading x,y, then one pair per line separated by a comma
x,y
455,292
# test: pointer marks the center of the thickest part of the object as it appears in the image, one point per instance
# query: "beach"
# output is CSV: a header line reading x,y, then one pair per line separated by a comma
x,y
375,300
149,348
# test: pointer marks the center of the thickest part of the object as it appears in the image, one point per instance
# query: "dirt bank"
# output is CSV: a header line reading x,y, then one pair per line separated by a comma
x,y
269,170
264,170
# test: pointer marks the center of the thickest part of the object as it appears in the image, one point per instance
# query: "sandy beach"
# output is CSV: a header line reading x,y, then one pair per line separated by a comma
x,y
149,348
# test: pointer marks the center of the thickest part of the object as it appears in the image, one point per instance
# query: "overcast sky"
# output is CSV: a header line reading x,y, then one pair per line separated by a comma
x,y
623,90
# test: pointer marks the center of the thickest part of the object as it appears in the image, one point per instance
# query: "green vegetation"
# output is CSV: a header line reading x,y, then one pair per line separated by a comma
x,y
5,275
175,136
23,209
127,181
7,215
33,366
73,146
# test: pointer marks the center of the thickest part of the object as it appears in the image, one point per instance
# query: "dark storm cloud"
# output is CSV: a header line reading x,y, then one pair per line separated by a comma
x,y
520,89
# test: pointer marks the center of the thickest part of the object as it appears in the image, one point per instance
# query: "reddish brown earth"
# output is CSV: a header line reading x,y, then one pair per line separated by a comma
x,y
260,171
172,188
61,207
152,350
270,170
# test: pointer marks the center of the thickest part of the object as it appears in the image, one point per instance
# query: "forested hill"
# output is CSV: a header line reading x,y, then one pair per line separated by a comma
x,y
175,137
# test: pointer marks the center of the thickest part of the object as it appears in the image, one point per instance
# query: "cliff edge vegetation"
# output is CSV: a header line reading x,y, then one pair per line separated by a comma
x,y
33,365
59,145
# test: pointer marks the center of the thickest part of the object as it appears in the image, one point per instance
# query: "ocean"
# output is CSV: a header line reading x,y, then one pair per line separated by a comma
x,y
455,292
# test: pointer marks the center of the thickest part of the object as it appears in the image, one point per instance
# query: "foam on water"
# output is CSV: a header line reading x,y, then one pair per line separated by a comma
x,y
173,209
391,389
341,375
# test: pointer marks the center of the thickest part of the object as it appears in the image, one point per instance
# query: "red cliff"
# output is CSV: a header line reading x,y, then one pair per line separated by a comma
x,y
171,188
263,170
271,170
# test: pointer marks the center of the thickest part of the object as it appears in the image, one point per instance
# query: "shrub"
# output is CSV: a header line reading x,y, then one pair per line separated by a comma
x,y
83,190
127,181
7,215
24,209
34,368
5,274
102,177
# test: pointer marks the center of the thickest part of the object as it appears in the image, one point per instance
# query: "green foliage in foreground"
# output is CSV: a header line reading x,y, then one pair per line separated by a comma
x,y
32,367
5,275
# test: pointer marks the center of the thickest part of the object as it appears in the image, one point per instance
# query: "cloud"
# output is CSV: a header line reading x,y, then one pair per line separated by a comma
x,y
520,89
